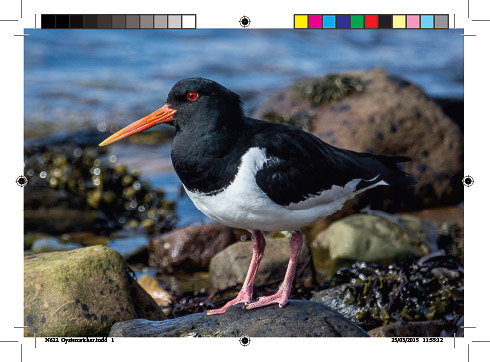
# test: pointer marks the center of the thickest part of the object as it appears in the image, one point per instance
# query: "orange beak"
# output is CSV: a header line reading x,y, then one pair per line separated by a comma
x,y
161,115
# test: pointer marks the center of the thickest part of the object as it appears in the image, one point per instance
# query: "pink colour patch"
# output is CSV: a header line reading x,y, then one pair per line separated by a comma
x,y
413,22
314,21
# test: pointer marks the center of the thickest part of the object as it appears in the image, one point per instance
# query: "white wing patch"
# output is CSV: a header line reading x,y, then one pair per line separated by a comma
x,y
334,194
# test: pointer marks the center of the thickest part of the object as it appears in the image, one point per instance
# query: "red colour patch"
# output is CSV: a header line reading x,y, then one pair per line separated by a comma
x,y
371,21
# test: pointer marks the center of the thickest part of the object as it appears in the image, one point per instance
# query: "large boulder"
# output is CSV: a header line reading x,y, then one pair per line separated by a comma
x,y
190,248
82,292
371,239
296,319
229,267
381,114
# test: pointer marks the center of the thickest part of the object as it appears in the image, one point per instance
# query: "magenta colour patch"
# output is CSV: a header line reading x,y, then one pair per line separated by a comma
x,y
314,21
413,21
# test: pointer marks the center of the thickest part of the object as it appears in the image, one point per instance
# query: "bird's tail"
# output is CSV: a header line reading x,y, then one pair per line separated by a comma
x,y
393,173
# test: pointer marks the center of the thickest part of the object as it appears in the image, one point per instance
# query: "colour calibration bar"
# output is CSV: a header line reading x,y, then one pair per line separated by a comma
x,y
381,21
118,21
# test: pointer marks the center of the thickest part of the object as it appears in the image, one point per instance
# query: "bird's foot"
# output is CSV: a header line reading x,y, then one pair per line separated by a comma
x,y
281,298
242,297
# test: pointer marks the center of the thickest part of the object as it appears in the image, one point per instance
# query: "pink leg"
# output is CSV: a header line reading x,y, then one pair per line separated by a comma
x,y
282,295
245,294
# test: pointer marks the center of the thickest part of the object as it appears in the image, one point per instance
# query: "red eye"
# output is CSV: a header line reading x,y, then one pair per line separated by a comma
x,y
192,96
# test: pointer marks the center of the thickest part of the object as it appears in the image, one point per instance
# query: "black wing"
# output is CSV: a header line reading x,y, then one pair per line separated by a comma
x,y
301,165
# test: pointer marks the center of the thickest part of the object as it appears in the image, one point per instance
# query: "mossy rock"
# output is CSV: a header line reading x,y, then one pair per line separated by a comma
x,y
370,239
81,292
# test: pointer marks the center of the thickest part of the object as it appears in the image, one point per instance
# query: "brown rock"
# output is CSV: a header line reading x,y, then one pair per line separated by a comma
x,y
159,295
394,117
190,248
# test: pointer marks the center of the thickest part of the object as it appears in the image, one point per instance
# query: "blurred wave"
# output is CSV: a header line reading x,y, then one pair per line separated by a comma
x,y
112,75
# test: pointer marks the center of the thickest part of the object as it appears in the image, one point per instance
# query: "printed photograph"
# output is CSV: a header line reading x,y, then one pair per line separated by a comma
x,y
227,183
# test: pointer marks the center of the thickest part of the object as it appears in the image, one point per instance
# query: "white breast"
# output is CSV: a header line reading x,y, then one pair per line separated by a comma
x,y
244,205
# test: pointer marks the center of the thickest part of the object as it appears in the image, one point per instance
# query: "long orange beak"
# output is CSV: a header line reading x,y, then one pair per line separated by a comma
x,y
161,115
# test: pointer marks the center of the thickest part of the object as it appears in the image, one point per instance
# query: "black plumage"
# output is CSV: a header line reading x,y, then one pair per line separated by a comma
x,y
299,165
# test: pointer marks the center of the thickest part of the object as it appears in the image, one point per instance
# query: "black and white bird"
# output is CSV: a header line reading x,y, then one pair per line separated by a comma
x,y
259,176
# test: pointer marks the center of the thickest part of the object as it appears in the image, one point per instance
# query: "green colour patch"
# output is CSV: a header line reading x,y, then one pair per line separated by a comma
x,y
357,21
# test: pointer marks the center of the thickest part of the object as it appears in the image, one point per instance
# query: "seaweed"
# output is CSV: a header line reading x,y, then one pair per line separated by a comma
x,y
429,289
84,178
329,88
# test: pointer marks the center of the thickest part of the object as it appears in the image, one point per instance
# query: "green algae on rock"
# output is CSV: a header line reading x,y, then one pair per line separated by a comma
x,y
81,292
329,88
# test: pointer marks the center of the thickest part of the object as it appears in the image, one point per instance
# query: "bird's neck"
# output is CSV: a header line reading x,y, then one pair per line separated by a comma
x,y
206,161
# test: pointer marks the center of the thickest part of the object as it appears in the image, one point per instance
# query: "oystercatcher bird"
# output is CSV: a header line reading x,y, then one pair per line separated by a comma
x,y
259,176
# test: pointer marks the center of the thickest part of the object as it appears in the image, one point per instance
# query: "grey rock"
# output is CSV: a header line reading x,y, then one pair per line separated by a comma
x,y
230,266
296,319
334,298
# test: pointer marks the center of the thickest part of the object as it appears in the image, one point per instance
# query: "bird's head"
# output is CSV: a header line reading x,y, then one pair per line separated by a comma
x,y
191,103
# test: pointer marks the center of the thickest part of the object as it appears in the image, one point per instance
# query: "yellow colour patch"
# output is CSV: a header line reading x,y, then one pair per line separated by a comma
x,y
301,21
399,22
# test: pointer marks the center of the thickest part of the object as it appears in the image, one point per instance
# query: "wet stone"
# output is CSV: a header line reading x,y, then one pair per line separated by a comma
x,y
189,249
159,295
296,319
